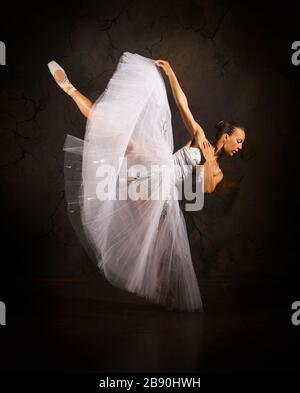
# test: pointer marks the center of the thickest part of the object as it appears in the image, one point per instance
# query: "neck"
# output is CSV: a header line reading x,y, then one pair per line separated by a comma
x,y
219,149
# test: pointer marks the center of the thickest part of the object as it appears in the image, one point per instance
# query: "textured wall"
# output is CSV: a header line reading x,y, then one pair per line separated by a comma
x,y
233,62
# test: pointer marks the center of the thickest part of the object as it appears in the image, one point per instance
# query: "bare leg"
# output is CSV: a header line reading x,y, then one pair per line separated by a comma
x,y
83,103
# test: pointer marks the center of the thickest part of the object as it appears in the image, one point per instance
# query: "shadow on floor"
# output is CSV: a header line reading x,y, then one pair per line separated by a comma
x,y
89,325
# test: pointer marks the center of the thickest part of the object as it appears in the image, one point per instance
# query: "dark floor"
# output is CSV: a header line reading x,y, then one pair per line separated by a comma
x,y
72,325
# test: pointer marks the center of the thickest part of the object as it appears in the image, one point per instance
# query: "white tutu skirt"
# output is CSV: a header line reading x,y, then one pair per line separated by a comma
x,y
140,244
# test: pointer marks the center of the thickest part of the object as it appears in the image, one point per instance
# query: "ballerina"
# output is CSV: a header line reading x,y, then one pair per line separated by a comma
x,y
140,245
229,138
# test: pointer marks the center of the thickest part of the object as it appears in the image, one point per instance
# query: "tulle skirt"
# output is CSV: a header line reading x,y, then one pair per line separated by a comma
x,y
140,242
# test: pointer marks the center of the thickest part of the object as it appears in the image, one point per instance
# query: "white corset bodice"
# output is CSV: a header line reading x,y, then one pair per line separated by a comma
x,y
185,159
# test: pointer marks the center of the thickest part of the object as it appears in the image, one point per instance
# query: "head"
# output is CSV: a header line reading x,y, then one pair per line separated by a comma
x,y
230,136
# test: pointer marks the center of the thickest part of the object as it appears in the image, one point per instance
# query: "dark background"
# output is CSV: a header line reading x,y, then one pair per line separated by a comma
x,y
233,61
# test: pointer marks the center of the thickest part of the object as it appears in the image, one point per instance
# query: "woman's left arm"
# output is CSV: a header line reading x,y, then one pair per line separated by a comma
x,y
210,180
194,129
178,94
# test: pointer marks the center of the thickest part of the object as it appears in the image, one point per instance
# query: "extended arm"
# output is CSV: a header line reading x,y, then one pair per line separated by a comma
x,y
194,129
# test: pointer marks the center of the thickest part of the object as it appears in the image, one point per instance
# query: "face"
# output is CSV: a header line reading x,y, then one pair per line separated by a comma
x,y
233,143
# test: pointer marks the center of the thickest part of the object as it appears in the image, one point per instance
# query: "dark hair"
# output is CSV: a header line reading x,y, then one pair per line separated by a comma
x,y
227,127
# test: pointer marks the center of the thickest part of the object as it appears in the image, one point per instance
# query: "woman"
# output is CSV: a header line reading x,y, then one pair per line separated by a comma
x,y
229,139
140,244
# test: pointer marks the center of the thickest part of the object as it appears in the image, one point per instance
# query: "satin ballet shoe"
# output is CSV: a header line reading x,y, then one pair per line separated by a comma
x,y
65,84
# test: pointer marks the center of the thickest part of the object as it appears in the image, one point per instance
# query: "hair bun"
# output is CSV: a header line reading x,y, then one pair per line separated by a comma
x,y
219,124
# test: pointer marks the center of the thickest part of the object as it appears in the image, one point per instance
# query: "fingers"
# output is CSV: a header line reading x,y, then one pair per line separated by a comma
x,y
160,62
206,144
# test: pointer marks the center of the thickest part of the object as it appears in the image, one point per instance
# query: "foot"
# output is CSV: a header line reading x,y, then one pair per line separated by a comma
x,y
61,78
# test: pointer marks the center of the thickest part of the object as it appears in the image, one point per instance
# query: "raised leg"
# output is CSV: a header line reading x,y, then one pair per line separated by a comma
x,y
60,76
83,103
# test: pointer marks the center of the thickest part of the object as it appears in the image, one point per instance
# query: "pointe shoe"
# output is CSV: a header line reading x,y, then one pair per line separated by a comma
x,y
65,83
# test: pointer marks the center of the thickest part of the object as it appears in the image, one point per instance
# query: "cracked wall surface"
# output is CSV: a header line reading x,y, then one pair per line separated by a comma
x,y
232,61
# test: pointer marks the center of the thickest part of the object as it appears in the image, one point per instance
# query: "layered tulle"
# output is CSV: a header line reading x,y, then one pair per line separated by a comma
x,y
140,244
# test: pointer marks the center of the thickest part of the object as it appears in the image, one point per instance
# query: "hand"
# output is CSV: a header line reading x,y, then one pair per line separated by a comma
x,y
208,150
165,66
